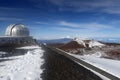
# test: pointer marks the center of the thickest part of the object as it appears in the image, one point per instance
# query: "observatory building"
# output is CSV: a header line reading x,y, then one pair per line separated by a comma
x,y
16,34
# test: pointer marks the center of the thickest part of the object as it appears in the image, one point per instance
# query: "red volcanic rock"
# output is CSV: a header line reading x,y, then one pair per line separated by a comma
x,y
72,45
87,41
57,45
115,54
79,46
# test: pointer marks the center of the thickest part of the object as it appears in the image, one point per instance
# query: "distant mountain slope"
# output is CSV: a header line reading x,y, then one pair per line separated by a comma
x,y
62,40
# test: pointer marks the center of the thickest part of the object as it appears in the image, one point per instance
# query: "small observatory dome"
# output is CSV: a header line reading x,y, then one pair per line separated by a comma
x,y
17,30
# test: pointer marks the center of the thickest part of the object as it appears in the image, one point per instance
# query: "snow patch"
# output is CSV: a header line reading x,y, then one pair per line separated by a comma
x,y
29,47
79,41
2,53
91,43
25,67
95,43
97,54
108,65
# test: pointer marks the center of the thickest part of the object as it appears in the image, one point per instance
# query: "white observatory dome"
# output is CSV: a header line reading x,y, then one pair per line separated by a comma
x,y
17,30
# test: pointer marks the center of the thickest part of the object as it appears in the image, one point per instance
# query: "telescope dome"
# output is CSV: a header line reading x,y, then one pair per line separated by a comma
x,y
17,30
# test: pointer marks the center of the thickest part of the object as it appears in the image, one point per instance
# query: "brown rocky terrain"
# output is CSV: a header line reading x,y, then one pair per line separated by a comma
x,y
109,50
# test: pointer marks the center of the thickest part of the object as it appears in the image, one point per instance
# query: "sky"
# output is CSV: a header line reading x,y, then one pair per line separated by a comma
x,y
51,19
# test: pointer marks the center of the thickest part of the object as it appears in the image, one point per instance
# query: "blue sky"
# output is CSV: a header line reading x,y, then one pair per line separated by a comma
x,y
48,19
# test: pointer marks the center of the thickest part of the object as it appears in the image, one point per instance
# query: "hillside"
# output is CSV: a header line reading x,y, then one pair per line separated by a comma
x,y
86,46
77,45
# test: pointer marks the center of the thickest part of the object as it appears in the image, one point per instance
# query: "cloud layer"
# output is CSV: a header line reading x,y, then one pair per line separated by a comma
x,y
105,6
89,26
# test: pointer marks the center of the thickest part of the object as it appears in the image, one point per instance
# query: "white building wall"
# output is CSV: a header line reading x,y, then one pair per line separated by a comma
x,y
18,40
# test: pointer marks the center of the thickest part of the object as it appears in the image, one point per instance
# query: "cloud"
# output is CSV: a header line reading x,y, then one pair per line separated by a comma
x,y
112,10
7,19
39,22
35,28
103,6
64,23
115,22
9,8
92,29
66,29
12,12
84,26
106,6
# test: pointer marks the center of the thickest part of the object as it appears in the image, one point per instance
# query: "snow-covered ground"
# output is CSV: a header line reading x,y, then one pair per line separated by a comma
x,y
91,43
24,67
28,47
108,65
95,43
79,41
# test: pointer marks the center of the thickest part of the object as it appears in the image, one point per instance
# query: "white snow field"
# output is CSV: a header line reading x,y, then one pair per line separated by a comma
x,y
95,43
24,67
108,65
92,43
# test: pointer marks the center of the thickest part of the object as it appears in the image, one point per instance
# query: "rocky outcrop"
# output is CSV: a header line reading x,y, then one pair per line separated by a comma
x,y
78,46
86,46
